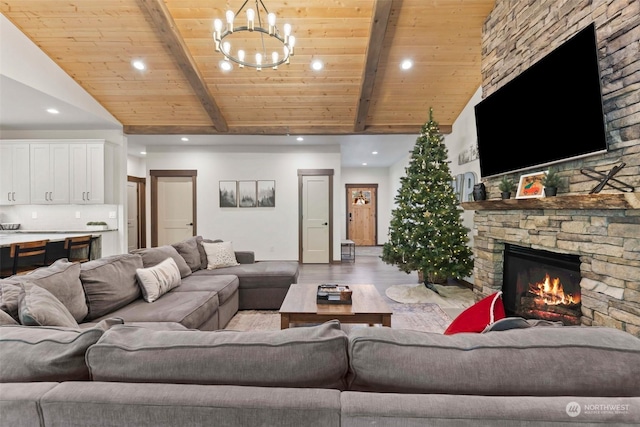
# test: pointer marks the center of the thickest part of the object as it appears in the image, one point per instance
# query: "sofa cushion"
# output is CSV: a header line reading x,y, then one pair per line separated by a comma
x,y
262,274
203,255
312,356
220,255
224,285
549,361
110,283
154,256
38,307
62,279
9,299
191,309
5,319
188,249
158,280
46,353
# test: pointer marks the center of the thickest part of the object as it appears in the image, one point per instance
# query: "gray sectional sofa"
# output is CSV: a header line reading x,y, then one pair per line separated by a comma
x,y
128,362
205,299
166,375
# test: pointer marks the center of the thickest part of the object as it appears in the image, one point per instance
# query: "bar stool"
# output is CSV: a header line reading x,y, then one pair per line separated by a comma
x,y
27,256
78,245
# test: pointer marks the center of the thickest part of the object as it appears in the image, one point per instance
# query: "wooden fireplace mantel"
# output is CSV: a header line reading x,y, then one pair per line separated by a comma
x,y
579,201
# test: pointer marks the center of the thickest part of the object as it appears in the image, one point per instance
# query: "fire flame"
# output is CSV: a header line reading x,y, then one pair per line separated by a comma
x,y
551,292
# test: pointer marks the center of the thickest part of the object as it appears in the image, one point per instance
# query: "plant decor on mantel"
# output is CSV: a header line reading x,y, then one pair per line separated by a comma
x,y
426,232
551,181
506,186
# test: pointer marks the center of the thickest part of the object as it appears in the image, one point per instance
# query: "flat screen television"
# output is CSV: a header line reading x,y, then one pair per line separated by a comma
x,y
551,112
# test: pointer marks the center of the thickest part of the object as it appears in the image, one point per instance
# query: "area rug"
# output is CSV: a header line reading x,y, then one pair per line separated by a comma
x,y
418,317
448,297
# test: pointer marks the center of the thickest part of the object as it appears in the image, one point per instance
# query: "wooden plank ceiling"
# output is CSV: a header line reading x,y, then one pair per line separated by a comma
x,y
361,89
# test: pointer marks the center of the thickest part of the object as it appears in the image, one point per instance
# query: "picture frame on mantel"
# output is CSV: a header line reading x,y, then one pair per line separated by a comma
x,y
530,186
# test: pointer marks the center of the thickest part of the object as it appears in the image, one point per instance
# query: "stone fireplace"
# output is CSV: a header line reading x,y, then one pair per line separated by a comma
x,y
601,230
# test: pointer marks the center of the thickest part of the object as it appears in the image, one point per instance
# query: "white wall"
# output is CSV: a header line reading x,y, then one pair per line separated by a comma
x,y
272,233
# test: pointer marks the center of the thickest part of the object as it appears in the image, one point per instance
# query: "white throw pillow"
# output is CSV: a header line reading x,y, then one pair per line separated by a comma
x,y
220,254
158,280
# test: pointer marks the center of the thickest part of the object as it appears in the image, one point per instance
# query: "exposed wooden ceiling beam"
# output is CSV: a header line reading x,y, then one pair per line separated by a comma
x,y
381,13
166,28
277,130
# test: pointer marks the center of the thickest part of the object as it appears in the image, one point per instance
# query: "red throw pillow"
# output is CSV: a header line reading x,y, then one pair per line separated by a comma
x,y
478,316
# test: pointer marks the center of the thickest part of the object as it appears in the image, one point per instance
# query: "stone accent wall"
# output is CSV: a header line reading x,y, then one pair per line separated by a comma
x,y
516,34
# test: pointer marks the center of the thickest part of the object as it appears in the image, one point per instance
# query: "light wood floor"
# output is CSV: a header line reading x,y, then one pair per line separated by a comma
x,y
367,268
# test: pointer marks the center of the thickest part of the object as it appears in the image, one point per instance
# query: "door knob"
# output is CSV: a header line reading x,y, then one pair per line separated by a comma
x,y
190,223
326,223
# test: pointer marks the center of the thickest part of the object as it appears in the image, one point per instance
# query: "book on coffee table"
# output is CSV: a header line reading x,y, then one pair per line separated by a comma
x,y
329,293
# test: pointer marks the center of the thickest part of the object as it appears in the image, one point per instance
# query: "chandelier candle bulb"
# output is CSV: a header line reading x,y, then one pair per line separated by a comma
x,y
250,19
292,43
230,17
272,24
259,61
274,59
241,57
287,33
226,48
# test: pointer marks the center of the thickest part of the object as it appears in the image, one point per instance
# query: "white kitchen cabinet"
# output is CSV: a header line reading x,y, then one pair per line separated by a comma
x,y
49,173
14,174
87,173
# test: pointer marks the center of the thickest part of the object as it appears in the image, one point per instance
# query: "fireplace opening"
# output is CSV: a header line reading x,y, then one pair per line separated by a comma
x,y
541,285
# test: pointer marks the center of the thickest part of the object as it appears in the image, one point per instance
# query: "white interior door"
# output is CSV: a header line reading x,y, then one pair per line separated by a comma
x,y
315,219
132,216
175,209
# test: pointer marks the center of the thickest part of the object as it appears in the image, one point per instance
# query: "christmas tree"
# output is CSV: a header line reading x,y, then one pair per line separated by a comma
x,y
426,232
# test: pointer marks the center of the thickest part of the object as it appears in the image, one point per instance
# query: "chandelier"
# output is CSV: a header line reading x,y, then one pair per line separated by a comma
x,y
261,43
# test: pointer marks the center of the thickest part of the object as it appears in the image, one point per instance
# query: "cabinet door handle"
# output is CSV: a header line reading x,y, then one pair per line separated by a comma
x,y
51,196
9,196
46,196
83,193
13,196
88,198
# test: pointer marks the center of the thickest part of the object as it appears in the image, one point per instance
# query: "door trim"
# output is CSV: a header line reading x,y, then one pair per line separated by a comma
x,y
142,209
163,173
315,172
347,196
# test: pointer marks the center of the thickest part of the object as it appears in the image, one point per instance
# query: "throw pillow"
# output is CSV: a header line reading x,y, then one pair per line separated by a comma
x,y
5,319
38,307
62,279
158,280
9,299
154,256
188,249
220,255
480,315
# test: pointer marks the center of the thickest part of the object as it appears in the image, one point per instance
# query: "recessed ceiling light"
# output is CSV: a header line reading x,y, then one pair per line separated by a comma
x,y
364,164
184,139
143,152
138,65
299,138
317,65
406,64
225,65
52,111
374,152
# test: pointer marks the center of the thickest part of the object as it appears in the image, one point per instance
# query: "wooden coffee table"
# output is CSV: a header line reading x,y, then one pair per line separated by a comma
x,y
299,306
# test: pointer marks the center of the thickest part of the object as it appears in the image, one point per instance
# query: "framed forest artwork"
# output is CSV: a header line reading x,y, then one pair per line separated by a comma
x,y
247,194
266,194
228,194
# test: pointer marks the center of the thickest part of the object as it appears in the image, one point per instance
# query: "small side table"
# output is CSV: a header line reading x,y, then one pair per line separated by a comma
x,y
348,250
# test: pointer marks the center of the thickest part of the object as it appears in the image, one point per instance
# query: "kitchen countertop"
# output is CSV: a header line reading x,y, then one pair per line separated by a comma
x,y
7,238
